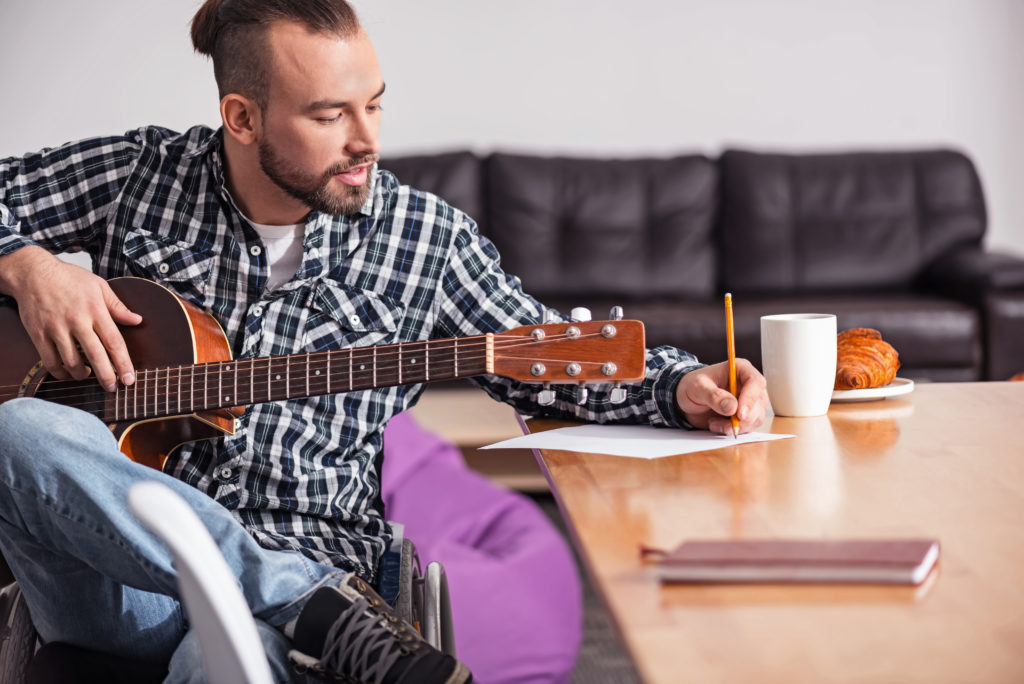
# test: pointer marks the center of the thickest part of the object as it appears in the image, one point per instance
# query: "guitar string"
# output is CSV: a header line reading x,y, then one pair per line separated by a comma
x,y
212,369
502,341
161,402
86,398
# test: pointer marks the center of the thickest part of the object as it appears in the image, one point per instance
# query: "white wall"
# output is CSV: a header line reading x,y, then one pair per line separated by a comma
x,y
579,76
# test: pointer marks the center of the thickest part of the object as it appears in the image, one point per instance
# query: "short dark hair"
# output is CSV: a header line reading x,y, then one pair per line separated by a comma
x,y
233,33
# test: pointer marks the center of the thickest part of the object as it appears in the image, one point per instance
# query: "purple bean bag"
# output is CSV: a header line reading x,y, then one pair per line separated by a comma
x,y
516,598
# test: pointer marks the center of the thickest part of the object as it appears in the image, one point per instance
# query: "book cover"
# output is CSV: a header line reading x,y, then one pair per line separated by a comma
x,y
876,561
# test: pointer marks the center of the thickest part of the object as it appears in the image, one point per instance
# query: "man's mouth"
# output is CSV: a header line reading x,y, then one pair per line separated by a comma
x,y
354,176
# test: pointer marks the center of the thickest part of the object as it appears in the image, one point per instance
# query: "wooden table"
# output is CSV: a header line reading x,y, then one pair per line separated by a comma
x,y
946,461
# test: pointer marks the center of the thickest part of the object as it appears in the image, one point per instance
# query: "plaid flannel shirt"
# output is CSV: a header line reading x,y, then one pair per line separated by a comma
x,y
302,474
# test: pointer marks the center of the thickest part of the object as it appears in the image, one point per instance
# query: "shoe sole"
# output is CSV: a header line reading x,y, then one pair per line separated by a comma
x,y
460,675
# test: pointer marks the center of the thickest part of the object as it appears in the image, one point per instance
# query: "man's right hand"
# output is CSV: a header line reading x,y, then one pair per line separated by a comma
x,y
65,309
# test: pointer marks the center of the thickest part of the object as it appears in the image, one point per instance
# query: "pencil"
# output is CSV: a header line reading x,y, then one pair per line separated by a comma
x,y
730,336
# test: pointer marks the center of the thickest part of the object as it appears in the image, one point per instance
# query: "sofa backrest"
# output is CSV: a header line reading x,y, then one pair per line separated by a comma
x,y
455,177
631,228
854,221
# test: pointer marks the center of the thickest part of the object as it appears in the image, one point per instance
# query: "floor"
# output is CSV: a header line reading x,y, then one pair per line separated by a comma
x,y
602,658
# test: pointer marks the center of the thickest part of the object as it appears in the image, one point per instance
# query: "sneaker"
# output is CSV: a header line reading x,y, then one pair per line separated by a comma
x,y
349,632
17,635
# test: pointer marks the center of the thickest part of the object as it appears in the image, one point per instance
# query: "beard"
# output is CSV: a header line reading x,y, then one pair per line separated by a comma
x,y
314,190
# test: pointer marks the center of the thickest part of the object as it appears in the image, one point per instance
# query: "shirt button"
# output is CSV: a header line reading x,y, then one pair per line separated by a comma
x,y
255,250
163,268
257,310
225,473
354,320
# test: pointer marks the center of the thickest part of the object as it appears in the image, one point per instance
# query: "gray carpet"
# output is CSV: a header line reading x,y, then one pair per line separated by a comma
x,y
602,658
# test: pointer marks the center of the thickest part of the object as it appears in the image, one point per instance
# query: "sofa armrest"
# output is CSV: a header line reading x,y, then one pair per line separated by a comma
x,y
994,283
972,274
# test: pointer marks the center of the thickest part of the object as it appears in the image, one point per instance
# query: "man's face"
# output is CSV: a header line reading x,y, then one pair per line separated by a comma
x,y
321,125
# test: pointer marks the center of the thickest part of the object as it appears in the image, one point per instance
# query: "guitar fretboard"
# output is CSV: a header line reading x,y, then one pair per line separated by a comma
x,y
181,390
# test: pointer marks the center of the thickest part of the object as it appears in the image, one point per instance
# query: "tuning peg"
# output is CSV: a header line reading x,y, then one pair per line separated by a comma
x,y
580,314
618,394
550,316
546,397
582,393
616,313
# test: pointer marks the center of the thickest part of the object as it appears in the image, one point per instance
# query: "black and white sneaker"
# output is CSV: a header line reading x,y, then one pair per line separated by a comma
x,y
349,633
17,635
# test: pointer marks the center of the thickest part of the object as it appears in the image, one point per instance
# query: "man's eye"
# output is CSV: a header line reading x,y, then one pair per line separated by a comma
x,y
375,108
328,120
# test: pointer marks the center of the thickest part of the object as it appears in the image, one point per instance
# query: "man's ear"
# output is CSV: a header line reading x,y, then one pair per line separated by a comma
x,y
241,117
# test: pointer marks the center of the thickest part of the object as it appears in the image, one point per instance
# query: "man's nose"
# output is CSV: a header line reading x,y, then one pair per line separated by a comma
x,y
363,139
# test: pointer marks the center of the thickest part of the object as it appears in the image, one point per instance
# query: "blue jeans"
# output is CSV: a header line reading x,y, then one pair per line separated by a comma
x,y
92,575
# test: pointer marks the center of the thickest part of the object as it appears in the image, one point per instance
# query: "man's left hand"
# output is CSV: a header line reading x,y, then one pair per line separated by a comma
x,y
704,398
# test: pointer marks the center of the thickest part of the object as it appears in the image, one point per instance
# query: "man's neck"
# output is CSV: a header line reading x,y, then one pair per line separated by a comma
x,y
259,198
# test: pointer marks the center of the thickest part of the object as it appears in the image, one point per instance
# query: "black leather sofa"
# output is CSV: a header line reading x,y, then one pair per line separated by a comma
x,y
888,240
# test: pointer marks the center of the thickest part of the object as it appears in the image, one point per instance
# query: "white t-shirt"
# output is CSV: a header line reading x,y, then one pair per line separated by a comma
x,y
284,250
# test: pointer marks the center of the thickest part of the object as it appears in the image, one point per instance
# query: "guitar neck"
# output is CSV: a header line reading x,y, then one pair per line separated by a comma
x,y
181,390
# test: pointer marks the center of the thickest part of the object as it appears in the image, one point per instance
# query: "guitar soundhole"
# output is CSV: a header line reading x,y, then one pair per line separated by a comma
x,y
86,395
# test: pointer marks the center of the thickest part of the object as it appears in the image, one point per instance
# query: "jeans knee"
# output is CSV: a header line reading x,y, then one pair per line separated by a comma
x,y
30,426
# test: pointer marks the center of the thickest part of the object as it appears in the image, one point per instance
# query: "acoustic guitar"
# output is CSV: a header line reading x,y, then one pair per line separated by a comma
x,y
189,388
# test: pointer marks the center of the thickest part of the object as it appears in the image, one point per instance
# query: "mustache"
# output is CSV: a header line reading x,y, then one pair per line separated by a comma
x,y
342,167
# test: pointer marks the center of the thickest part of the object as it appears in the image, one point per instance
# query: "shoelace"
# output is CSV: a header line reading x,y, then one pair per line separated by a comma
x,y
354,639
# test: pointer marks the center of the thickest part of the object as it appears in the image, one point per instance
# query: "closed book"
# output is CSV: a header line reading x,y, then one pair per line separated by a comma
x,y
886,561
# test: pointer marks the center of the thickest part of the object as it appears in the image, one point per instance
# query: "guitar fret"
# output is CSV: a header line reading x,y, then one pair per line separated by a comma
x,y
206,385
426,361
287,376
374,362
350,354
179,389
252,380
329,355
399,364
455,348
307,374
167,392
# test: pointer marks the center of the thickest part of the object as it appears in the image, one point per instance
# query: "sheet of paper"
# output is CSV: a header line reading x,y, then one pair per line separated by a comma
x,y
634,441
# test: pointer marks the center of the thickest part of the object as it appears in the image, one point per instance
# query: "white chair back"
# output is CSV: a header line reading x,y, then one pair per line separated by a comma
x,y
231,646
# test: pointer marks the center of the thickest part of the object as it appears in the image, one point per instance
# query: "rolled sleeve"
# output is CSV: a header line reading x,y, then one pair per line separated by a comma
x,y
11,239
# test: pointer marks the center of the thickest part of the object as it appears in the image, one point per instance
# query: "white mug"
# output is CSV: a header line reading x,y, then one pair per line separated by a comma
x,y
798,355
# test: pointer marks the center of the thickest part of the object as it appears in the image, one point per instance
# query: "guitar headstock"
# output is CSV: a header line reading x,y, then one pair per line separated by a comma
x,y
574,352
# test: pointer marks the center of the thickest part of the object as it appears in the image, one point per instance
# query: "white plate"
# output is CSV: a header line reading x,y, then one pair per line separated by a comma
x,y
893,389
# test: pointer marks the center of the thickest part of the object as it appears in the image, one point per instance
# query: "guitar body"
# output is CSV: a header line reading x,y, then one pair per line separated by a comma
x,y
173,332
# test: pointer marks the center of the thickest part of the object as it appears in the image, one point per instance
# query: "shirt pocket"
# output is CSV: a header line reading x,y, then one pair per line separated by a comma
x,y
176,265
341,316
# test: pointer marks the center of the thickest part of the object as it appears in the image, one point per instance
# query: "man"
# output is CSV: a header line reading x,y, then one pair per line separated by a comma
x,y
281,226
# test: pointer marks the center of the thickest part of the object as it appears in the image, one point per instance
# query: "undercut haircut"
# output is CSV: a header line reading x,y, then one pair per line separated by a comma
x,y
233,33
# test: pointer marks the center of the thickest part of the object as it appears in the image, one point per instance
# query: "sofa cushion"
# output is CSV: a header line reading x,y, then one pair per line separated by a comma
x,y
638,227
936,338
856,221
455,177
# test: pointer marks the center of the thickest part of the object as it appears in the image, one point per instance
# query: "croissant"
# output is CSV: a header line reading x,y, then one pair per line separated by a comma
x,y
864,360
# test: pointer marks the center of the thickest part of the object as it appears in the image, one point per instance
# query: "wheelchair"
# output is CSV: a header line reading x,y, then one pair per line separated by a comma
x,y
422,600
